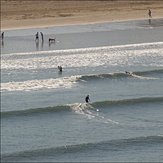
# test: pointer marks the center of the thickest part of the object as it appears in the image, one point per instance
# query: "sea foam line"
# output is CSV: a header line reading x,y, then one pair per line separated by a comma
x,y
94,58
65,82
84,49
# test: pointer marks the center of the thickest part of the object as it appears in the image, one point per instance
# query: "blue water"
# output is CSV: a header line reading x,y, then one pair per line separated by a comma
x,y
44,116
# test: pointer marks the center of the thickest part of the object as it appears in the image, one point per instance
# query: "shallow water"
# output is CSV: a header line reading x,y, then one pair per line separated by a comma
x,y
43,113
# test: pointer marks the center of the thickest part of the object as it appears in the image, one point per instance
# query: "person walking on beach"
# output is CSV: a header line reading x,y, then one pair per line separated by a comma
x,y
87,99
42,36
149,13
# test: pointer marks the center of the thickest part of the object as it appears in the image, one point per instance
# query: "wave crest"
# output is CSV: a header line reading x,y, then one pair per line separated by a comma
x,y
81,106
68,82
110,145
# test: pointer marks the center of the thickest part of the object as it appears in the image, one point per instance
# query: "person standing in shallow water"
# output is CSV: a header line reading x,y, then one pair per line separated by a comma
x,y
37,37
42,36
87,99
2,36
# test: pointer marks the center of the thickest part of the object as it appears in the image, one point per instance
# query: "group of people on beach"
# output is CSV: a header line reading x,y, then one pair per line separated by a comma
x,y
51,40
36,37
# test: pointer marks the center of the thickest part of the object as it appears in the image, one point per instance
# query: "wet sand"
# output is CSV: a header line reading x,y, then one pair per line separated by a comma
x,y
40,13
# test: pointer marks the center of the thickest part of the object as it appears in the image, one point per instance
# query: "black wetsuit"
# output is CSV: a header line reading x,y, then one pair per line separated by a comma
x,y
87,99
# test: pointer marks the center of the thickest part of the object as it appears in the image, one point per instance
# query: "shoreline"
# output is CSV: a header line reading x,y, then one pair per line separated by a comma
x,y
20,14
70,23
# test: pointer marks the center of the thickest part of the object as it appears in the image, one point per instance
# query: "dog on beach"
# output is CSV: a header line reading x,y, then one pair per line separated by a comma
x,y
51,40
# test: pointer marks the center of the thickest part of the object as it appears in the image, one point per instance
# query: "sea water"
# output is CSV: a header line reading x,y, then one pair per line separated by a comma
x,y
44,116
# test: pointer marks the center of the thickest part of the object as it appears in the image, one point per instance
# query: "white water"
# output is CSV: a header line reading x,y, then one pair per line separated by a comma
x,y
37,125
147,54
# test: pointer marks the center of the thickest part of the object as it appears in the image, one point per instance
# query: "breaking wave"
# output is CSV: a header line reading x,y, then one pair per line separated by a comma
x,y
65,82
81,107
138,74
147,54
68,82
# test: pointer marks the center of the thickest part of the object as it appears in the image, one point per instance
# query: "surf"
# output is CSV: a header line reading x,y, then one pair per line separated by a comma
x,y
109,145
84,50
71,81
82,108
29,85
86,57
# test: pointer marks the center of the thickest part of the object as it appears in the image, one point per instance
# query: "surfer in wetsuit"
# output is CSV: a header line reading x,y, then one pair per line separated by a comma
x,y
87,99
127,72
60,68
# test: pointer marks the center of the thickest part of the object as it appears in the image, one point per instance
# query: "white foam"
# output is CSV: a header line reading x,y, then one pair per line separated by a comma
x,y
143,77
66,82
147,54
84,49
84,109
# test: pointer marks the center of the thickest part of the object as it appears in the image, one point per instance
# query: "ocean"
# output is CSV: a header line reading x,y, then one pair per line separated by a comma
x,y
44,117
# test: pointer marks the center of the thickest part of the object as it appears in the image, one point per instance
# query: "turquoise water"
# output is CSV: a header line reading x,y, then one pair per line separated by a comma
x,y
44,116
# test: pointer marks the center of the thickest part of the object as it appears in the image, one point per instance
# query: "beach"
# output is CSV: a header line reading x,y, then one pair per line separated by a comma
x,y
118,62
44,117
27,14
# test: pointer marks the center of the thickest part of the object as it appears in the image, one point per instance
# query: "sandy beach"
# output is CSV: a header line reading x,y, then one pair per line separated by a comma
x,y
28,14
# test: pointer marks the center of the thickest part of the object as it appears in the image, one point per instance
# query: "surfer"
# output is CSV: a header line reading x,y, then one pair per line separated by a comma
x,y
60,68
128,73
87,99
